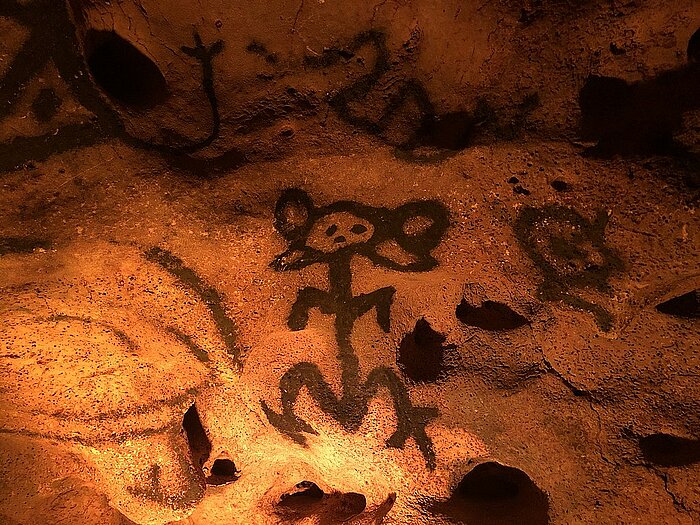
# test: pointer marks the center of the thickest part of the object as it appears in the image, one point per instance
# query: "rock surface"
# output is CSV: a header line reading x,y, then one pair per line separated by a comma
x,y
406,262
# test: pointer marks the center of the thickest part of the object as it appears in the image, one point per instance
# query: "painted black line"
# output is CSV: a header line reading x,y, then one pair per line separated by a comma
x,y
210,296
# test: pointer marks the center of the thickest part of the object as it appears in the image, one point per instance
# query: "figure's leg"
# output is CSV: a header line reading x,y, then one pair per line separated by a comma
x,y
308,298
411,420
380,299
301,375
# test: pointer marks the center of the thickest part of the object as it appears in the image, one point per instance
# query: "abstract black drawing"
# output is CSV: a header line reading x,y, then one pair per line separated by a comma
x,y
52,40
333,235
186,278
448,132
570,250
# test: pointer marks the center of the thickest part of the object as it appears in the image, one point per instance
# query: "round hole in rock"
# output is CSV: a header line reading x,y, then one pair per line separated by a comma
x,y
123,72
222,471
495,494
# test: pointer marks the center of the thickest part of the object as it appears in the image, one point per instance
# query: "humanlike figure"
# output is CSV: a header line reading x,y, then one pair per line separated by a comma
x,y
333,235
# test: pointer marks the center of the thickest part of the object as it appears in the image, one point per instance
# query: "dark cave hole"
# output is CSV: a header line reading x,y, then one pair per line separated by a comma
x,y
303,500
491,315
124,73
341,507
197,440
560,185
686,305
222,471
307,499
494,494
491,482
451,131
639,117
421,353
670,451
694,47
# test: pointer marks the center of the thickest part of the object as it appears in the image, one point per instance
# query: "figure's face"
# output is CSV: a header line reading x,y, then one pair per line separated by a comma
x,y
336,231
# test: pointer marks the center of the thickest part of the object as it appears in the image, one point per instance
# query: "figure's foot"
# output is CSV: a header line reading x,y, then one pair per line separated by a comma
x,y
414,424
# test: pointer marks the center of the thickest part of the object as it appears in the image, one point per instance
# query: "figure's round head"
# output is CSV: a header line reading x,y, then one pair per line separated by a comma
x,y
339,230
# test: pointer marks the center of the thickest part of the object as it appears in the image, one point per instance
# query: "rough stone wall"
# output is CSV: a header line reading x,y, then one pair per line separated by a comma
x,y
347,262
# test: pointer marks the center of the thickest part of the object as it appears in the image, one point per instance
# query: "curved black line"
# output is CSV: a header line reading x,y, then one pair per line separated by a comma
x,y
209,295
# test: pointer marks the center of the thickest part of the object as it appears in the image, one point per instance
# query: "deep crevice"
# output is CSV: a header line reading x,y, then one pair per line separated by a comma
x,y
491,315
686,305
670,451
197,440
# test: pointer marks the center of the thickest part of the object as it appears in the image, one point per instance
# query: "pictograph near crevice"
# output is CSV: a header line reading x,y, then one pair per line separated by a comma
x,y
333,235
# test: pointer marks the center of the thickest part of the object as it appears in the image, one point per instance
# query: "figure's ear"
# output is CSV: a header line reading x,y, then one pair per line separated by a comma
x,y
420,226
293,214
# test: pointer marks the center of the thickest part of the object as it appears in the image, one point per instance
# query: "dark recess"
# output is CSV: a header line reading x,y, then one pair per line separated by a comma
x,y
491,315
694,47
125,74
560,185
222,471
670,451
641,118
421,353
307,499
686,305
494,494
303,500
197,439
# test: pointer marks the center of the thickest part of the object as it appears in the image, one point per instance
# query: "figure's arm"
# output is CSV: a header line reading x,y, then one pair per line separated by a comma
x,y
308,298
380,299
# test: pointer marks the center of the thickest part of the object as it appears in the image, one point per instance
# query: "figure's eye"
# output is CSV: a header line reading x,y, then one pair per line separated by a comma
x,y
358,229
331,230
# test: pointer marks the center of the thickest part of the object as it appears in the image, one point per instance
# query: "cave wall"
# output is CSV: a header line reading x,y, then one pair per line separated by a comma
x,y
324,262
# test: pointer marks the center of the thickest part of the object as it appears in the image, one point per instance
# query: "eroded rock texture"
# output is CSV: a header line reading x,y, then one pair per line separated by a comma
x,y
401,262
